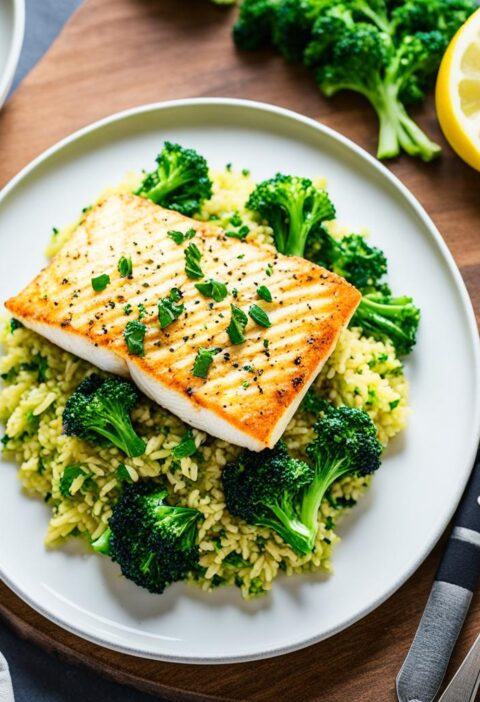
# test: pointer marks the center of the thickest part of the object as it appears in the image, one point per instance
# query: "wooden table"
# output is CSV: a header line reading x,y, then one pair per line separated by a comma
x,y
115,54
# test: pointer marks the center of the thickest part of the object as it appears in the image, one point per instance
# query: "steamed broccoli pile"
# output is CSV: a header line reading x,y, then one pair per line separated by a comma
x,y
180,182
99,412
386,50
154,543
273,489
296,210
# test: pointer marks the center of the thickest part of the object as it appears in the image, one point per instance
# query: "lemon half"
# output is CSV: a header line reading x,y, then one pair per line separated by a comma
x,y
457,94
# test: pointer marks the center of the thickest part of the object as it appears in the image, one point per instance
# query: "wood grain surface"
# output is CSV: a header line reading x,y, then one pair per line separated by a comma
x,y
116,54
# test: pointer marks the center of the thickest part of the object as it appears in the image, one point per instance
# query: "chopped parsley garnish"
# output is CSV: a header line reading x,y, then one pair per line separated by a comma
x,y
180,237
259,316
238,322
125,266
192,259
100,282
245,172
203,361
269,270
134,336
168,309
235,220
245,384
142,312
235,292
127,308
55,231
265,343
393,404
240,233
15,324
264,293
123,474
186,447
213,288
70,474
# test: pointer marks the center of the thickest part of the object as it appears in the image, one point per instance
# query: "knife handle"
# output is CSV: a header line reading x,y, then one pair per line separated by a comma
x,y
460,564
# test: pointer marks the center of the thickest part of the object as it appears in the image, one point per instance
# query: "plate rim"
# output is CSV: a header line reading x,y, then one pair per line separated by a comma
x,y
471,325
15,49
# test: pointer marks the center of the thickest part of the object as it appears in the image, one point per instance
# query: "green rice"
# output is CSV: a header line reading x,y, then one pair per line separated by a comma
x,y
39,377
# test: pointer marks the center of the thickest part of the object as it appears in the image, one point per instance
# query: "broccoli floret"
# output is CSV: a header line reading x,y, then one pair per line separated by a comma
x,y
388,55
345,444
255,23
274,490
180,182
264,489
153,542
351,257
293,207
385,317
292,28
99,412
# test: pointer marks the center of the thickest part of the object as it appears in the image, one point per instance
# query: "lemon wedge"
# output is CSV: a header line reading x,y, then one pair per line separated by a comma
x,y
457,94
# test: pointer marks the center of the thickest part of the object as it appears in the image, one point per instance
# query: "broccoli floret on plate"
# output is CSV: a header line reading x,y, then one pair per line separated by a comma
x,y
295,209
352,258
273,489
154,543
99,412
180,182
264,489
383,316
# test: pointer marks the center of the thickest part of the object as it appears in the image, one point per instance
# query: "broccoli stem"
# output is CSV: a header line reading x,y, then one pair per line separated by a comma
x,y
325,475
165,187
291,529
397,128
102,544
124,437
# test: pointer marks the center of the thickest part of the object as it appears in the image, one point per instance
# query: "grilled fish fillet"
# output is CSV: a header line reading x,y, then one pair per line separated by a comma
x,y
252,389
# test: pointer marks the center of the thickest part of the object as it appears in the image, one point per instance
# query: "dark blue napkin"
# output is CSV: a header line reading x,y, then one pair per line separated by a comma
x,y
36,676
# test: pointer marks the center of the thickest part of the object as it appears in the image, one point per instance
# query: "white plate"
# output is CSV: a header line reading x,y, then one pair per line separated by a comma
x,y
12,27
414,494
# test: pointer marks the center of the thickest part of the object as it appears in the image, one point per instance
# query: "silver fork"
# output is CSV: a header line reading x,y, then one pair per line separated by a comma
x,y
464,685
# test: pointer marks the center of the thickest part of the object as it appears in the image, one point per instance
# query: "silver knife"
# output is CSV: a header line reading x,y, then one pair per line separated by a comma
x,y
466,681
424,667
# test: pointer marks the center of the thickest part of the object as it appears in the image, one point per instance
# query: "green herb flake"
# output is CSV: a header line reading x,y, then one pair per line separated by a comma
x,y
203,361
186,447
192,262
241,233
213,288
168,309
264,293
245,172
393,404
259,316
127,308
238,322
269,270
235,220
100,282
265,343
180,237
245,384
125,266
122,474
70,474
40,466
55,231
134,336
15,324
